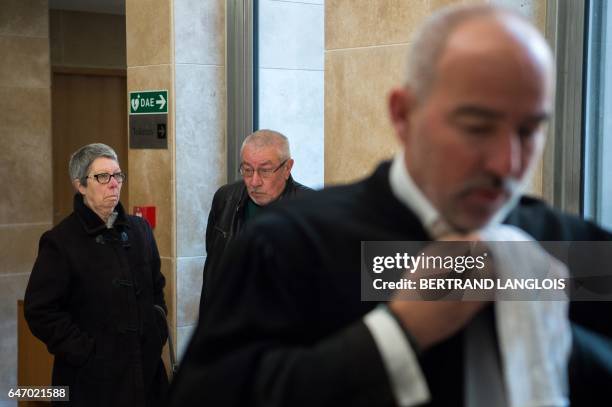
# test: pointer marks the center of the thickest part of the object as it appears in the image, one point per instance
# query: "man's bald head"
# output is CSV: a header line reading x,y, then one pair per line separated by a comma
x,y
472,115
474,26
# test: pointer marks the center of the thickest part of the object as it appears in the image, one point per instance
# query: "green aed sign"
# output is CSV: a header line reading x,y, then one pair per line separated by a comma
x,y
149,102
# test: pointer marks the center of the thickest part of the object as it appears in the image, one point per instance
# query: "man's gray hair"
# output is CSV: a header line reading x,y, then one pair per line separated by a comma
x,y
81,160
430,40
268,138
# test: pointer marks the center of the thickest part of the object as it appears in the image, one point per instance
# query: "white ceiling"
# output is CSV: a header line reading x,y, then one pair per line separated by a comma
x,y
92,6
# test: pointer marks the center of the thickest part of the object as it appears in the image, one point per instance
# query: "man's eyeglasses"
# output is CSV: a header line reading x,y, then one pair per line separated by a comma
x,y
104,178
248,172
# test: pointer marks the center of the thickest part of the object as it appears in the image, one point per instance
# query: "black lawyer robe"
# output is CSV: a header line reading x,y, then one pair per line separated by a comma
x,y
283,325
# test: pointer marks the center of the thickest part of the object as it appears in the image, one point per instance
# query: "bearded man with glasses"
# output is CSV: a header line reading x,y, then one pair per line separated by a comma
x,y
266,177
95,290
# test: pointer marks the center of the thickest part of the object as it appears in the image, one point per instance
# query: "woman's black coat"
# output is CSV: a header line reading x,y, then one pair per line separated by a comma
x,y
91,298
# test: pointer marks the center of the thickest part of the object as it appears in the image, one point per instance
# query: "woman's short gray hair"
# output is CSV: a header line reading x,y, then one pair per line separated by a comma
x,y
81,160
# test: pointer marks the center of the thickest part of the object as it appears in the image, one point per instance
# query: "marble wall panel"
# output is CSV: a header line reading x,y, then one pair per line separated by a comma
x,y
27,18
436,4
360,23
200,150
291,101
19,246
188,289
357,128
199,32
290,35
28,64
151,184
149,32
26,155
184,337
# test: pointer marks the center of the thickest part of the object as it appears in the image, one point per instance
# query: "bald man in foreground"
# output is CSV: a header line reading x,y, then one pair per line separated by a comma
x,y
289,327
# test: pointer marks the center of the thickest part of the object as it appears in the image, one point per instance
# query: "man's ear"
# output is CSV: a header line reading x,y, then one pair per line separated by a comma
x,y
288,166
401,103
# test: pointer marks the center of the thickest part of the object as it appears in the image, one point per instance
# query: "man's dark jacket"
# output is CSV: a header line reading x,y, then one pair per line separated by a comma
x,y
226,219
90,299
285,327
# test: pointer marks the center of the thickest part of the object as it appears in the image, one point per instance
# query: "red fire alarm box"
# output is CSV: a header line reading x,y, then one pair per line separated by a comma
x,y
147,212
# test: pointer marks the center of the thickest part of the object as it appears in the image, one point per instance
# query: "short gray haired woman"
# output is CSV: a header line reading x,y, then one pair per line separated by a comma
x,y
93,289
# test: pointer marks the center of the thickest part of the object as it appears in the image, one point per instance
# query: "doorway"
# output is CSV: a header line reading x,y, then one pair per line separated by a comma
x,y
87,107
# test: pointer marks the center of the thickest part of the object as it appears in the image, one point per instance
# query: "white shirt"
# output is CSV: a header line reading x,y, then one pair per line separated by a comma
x,y
407,379
483,376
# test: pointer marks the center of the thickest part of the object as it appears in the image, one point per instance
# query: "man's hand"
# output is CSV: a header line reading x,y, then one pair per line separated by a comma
x,y
430,322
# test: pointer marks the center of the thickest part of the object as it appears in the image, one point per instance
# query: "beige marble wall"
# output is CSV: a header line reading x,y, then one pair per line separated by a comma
x,y
149,50
366,44
90,40
25,160
179,45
